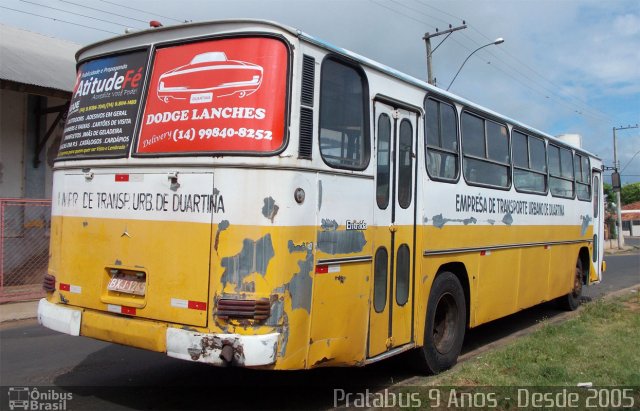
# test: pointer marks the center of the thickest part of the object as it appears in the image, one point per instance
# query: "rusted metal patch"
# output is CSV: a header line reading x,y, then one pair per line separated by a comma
x,y
277,311
341,242
586,220
223,225
253,258
299,248
329,225
284,336
270,208
300,285
439,221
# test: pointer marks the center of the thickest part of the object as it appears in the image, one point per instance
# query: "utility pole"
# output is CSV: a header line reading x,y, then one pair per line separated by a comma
x,y
617,190
427,38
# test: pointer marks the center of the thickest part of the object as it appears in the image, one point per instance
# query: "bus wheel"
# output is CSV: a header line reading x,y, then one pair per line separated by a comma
x,y
445,324
571,301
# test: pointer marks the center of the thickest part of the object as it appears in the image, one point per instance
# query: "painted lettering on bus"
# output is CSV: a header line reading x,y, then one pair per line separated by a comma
x,y
143,201
491,205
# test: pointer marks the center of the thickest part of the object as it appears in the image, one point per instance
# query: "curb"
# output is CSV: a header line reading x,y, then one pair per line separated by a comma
x,y
15,311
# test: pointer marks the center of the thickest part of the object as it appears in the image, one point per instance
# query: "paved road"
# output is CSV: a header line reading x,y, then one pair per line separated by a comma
x,y
107,376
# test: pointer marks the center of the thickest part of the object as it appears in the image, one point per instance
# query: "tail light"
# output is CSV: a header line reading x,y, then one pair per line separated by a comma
x,y
49,283
258,310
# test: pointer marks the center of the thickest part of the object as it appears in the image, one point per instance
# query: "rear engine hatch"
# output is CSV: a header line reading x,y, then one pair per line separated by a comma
x,y
137,243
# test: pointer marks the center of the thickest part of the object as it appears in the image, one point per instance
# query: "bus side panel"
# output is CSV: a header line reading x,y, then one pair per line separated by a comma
x,y
562,265
265,249
340,308
425,275
534,267
498,276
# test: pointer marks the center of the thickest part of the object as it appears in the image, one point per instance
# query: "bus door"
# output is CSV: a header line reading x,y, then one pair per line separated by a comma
x,y
391,303
598,239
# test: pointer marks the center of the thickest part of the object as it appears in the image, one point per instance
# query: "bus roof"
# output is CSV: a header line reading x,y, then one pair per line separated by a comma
x,y
346,53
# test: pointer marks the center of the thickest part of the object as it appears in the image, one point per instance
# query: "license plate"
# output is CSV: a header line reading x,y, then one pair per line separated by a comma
x,y
129,284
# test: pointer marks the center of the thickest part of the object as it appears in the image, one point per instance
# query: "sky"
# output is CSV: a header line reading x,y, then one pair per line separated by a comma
x,y
565,67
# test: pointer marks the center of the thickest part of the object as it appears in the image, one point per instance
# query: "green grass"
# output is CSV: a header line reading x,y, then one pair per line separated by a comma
x,y
600,345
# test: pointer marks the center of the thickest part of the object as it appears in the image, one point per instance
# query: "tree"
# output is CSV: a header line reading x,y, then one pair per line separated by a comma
x,y
630,193
609,193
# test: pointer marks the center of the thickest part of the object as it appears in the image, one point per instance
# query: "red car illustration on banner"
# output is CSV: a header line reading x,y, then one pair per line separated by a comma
x,y
207,75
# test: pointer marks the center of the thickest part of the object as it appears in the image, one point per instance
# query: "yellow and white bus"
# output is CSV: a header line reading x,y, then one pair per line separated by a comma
x,y
241,193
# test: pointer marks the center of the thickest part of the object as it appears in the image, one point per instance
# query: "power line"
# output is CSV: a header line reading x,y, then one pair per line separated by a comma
x,y
584,109
576,101
104,11
143,11
629,162
60,20
70,12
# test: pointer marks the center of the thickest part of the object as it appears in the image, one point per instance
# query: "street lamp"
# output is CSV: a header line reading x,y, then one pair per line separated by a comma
x,y
497,41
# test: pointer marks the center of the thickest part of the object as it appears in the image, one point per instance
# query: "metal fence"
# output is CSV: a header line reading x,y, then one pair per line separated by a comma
x,y
24,247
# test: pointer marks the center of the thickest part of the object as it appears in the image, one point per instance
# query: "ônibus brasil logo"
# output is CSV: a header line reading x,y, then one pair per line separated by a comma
x,y
32,399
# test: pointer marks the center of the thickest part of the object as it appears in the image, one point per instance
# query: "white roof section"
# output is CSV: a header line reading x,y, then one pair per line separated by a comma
x,y
32,58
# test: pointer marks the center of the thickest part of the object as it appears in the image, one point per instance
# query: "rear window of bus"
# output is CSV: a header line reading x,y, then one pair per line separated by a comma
x,y
221,95
104,107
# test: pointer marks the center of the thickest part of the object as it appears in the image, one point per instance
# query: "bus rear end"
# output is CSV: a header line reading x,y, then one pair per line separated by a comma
x,y
164,220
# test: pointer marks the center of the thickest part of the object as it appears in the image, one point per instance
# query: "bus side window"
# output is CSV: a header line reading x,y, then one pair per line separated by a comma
x,y
441,140
582,170
561,180
344,136
529,163
485,149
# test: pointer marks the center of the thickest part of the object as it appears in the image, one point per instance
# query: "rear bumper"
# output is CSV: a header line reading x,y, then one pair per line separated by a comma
x,y
245,350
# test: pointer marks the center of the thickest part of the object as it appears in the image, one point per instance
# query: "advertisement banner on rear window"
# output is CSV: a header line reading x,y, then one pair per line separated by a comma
x,y
226,95
104,107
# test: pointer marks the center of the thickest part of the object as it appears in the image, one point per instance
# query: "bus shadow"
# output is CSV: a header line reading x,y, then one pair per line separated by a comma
x,y
118,377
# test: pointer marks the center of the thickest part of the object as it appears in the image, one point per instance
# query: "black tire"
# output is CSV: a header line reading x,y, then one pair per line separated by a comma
x,y
445,324
571,301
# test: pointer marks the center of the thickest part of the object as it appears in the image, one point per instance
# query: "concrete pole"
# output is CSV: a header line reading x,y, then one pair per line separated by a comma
x,y
427,40
618,203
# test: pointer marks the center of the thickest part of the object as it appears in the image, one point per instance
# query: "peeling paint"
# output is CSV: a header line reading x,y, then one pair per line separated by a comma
x,y
248,287
270,208
492,222
277,312
508,219
85,223
341,242
586,220
300,285
299,248
439,221
253,258
321,361
329,225
284,335
340,278
117,262
223,225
